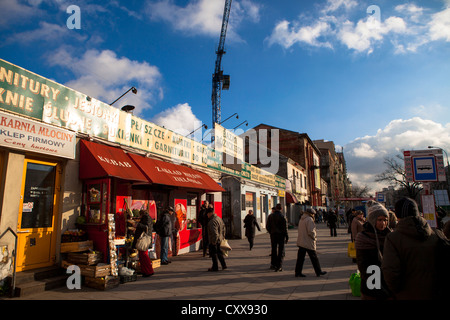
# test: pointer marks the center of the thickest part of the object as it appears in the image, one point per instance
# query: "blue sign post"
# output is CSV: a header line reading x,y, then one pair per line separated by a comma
x,y
425,169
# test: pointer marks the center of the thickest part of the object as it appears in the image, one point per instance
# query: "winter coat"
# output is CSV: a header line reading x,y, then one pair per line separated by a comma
x,y
250,224
409,264
277,224
216,230
144,225
367,254
307,232
165,228
332,220
357,226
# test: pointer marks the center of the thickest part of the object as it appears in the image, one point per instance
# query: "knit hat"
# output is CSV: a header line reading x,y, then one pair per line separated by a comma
x,y
375,210
406,207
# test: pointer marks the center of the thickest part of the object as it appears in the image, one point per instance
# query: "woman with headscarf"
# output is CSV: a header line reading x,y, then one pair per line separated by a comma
x,y
250,225
369,245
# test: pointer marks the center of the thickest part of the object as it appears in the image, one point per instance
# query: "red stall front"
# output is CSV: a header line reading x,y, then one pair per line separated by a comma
x,y
115,181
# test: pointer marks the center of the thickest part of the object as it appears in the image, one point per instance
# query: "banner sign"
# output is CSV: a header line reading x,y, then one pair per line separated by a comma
x,y
28,135
28,94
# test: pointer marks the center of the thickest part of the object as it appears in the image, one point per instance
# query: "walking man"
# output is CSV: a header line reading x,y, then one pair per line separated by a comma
x,y
216,233
277,227
306,242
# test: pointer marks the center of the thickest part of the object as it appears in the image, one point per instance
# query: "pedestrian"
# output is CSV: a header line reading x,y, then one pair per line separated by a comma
x,y
174,236
277,228
216,233
332,221
250,225
357,224
306,242
369,245
203,218
410,261
392,220
164,231
145,224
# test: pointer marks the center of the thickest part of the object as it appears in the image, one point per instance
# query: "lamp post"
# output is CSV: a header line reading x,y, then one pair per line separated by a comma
x,y
246,124
132,89
203,125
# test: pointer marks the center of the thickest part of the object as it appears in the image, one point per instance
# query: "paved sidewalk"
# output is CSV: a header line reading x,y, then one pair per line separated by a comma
x,y
247,278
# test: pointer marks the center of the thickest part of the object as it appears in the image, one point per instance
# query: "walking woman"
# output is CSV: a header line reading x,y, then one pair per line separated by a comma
x,y
249,224
369,245
144,225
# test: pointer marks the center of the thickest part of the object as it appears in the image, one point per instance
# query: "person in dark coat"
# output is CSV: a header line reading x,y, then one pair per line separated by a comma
x,y
369,245
250,225
144,225
332,222
277,227
203,219
410,264
164,232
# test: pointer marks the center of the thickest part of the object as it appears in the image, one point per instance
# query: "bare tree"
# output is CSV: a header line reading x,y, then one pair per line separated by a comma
x,y
360,191
395,175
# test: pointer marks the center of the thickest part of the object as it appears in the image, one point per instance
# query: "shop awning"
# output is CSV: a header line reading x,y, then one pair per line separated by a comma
x,y
291,198
100,161
161,172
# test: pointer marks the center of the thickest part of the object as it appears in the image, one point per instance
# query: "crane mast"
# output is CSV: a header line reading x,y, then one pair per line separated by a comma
x,y
219,80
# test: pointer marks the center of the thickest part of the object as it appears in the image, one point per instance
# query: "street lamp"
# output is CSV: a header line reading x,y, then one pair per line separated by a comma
x,y
203,125
237,117
132,89
246,124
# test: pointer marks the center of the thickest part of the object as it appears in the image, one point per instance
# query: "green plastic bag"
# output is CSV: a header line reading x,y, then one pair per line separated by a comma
x,y
355,284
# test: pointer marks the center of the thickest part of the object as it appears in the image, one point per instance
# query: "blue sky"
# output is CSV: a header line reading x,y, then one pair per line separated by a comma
x,y
373,84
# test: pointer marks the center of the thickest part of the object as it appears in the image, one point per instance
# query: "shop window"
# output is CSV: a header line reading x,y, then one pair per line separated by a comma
x,y
191,214
97,196
250,201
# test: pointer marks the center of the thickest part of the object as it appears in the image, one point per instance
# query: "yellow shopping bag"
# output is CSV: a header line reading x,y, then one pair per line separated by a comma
x,y
351,250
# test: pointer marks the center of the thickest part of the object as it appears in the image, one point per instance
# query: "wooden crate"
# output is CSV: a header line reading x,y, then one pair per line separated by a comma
x,y
90,258
156,263
77,246
98,271
104,283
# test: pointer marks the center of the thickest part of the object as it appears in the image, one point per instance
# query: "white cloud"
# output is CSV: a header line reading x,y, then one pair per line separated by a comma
x,y
287,36
179,119
409,29
440,25
364,156
203,16
103,75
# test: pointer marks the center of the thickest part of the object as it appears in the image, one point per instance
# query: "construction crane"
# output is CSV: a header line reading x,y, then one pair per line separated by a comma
x,y
219,80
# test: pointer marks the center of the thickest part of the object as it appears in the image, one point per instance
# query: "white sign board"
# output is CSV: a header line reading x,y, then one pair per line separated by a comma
x,y
424,165
29,135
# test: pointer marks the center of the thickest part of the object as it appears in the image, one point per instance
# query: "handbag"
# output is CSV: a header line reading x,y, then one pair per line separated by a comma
x,y
351,251
224,246
144,241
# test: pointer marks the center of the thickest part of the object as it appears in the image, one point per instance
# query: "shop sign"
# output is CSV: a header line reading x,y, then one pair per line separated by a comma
x,y
29,94
28,135
228,143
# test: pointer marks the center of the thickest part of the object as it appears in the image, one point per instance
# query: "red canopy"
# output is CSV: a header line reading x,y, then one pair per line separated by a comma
x,y
99,161
161,172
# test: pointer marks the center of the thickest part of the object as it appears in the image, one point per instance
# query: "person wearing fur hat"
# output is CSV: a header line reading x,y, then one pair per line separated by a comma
x,y
369,249
306,242
410,261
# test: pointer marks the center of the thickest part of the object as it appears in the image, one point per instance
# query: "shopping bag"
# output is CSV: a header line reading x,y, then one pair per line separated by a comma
x,y
355,284
224,246
351,250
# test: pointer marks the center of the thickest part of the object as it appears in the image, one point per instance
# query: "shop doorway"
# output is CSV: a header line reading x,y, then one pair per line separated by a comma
x,y
37,215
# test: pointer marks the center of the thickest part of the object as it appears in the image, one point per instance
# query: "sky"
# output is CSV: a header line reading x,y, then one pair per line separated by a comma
x,y
372,76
